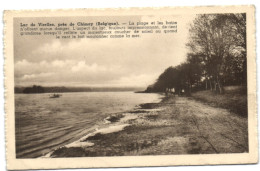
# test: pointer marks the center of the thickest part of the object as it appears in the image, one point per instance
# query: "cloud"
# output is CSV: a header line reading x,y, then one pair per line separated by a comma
x,y
99,62
65,72
58,63
36,76
82,66
137,80
22,63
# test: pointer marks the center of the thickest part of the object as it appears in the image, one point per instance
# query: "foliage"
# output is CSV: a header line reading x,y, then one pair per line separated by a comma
x,y
33,89
220,39
217,56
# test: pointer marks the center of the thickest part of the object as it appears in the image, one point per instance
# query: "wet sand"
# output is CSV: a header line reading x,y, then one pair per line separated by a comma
x,y
177,125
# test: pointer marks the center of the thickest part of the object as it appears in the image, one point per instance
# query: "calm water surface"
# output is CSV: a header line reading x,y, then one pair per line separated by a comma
x,y
43,124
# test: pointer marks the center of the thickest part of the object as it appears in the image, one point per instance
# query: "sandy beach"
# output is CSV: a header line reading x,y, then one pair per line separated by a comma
x,y
176,125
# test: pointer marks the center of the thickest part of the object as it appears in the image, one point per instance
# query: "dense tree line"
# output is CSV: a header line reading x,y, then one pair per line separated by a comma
x,y
62,89
33,89
216,58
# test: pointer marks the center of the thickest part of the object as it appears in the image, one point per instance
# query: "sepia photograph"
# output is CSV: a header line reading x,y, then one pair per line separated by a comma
x,y
142,84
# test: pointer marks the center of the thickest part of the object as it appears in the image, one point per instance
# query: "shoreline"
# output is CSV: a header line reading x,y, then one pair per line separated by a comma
x,y
175,125
112,124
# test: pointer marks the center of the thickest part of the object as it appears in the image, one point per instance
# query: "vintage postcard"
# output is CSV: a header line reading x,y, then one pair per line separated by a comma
x,y
92,88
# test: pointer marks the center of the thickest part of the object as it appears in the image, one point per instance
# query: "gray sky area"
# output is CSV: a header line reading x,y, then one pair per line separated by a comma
x,y
46,61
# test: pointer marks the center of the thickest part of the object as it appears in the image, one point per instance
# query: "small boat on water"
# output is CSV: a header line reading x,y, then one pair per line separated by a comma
x,y
55,95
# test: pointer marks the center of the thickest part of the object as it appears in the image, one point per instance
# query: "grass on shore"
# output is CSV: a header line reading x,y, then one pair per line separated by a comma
x,y
234,99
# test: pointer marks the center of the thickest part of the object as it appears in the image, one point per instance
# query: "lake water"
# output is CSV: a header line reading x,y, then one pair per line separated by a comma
x,y
43,124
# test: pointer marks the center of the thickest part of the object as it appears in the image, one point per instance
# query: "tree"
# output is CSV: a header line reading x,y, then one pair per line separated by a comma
x,y
183,76
217,55
34,89
219,39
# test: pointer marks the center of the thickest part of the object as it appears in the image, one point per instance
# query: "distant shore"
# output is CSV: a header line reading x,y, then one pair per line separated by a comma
x,y
62,89
176,125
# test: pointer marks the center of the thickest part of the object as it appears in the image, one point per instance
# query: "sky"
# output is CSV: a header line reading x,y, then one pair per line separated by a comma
x,y
135,62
